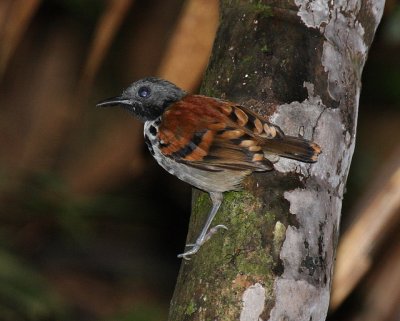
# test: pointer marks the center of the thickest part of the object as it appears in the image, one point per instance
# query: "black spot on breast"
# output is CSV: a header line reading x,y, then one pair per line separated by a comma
x,y
153,130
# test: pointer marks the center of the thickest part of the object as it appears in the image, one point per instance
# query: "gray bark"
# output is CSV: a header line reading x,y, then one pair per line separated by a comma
x,y
299,64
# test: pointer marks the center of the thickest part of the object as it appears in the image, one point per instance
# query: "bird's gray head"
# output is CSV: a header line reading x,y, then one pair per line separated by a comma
x,y
146,98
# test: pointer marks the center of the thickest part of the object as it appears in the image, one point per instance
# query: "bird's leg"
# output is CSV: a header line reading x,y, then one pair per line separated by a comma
x,y
216,198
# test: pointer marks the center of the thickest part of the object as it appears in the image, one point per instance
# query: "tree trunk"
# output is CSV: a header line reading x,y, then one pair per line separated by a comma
x,y
299,65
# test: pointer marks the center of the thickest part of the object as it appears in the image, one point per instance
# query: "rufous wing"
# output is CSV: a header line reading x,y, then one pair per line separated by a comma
x,y
212,134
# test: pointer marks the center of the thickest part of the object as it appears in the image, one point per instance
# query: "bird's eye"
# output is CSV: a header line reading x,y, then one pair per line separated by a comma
x,y
144,92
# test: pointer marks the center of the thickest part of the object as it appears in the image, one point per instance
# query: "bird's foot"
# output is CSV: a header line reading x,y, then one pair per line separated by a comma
x,y
186,255
199,242
212,231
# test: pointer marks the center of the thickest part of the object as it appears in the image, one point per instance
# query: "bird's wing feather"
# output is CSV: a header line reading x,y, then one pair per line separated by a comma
x,y
212,134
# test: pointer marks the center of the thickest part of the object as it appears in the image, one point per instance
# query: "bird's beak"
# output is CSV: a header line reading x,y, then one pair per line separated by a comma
x,y
114,101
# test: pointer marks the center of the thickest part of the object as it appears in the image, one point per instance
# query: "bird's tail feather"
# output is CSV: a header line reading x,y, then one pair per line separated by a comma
x,y
293,147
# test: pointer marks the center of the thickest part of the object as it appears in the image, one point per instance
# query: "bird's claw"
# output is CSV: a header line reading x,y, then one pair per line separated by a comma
x,y
193,250
213,230
196,246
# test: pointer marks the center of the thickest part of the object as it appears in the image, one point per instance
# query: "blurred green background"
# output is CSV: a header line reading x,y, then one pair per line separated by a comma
x,y
90,225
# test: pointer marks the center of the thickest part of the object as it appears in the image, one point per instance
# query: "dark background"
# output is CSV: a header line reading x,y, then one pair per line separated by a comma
x,y
90,225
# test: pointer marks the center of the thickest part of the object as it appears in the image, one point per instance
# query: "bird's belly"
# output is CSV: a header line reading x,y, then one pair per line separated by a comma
x,y
221,181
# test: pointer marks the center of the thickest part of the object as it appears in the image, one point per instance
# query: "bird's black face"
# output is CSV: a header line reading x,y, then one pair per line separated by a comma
x,y
146,98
